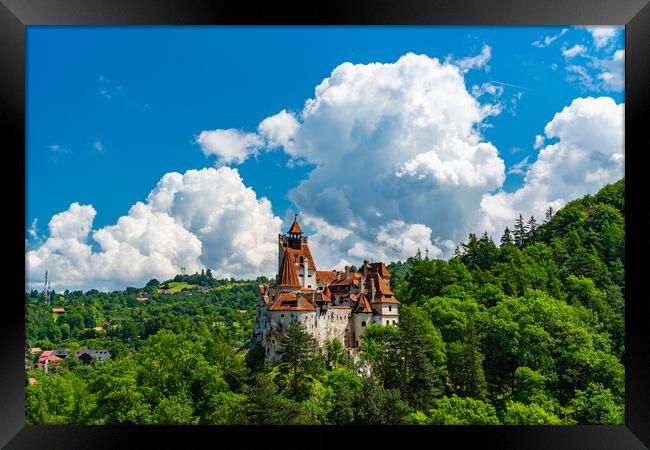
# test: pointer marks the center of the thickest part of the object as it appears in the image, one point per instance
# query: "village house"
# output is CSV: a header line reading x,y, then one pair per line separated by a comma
x,y
86,356
330,304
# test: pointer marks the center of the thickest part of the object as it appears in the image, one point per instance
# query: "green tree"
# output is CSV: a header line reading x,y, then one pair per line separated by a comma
x,y
455,410
379,406
520,232
334,353
507,237
343,388
423,358
266,406
379,349
466,365
597,405
532,414
300,358
173,411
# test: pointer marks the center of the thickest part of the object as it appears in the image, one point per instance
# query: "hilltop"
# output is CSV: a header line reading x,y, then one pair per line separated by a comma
x,y
529,331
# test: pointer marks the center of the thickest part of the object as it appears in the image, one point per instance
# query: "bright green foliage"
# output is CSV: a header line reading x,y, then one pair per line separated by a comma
x,y
266,406
466,365
422,352
455,410
334,353
521,414
380,348
300,359
531,332
173,411
343,388
597,405
379,406
451,315
58,399
427,278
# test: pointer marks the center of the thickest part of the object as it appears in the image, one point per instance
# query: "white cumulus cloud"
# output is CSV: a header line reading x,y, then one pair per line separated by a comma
x,y
588,155
203,218
230,146
397,149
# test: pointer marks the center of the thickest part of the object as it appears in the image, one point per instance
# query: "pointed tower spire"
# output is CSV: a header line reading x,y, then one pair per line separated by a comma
x,y
287,277
295,228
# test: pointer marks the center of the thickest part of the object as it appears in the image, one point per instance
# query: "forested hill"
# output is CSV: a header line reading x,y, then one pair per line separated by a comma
x,y
529,331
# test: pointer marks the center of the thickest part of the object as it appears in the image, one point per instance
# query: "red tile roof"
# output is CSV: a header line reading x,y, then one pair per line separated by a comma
x,y
295,228
325,276
362,305
380,268
352,278
382,299
292,301
50,358
58,310
382,286
287,276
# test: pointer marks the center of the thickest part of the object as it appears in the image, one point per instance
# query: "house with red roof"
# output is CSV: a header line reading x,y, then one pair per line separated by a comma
x,y
329,303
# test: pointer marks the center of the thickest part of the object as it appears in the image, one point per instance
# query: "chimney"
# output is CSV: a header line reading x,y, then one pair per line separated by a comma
x,y
305,271
347,271
365,268
371,292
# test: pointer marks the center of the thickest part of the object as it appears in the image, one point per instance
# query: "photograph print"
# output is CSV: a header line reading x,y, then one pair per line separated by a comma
x,y
318,225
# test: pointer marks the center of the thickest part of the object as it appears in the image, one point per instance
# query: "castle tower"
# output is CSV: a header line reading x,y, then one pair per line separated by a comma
x,y
287,277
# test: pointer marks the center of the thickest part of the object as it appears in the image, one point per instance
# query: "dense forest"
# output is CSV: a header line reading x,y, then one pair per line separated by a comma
x,y
529,331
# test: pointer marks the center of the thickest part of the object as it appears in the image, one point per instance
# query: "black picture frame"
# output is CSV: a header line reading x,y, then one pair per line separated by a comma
x,y
15,15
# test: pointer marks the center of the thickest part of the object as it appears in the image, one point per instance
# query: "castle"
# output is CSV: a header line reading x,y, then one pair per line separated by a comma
x,y
330,304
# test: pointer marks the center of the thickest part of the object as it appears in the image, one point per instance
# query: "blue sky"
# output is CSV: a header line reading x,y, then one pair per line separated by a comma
x,y
111,110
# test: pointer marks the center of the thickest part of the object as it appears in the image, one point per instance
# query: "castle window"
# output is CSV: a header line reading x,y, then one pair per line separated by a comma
x,y
281,315
363,324
390,308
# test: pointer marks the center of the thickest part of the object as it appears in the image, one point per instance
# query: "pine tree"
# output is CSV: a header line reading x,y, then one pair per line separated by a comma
x,y
520,232
532,227
506,238
466,365
549,214
299,356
